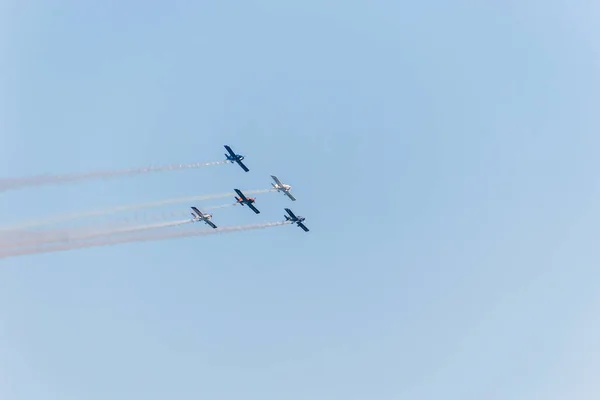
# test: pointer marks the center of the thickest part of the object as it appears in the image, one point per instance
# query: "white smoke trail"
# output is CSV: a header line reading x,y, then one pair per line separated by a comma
x,y
129,207
69,235
166,215
139,238
30,237
16,183
130,229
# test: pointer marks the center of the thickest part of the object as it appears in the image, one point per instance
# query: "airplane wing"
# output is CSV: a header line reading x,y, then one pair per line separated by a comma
x,y
250,206
211,224
229,150
241,164
240,194
301,225
197,212
291,214
276,180
288,194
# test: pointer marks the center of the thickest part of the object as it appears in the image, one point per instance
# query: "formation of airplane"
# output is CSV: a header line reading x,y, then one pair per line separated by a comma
x,y
245,200
249,201
282,187
298,220
199,216
232,157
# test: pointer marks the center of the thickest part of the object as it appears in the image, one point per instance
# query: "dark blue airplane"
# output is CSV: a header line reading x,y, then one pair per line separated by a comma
x,y
235,158
295,219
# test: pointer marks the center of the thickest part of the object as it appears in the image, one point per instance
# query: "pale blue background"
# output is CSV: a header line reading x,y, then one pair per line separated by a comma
x,y
445,155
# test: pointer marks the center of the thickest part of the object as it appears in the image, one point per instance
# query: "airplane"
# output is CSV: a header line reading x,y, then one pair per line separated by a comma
x,y
199,216
295,219
282,187
232,157
244,200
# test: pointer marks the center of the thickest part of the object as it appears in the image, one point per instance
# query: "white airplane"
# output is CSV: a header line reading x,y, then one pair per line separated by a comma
x,y
199,216
282,187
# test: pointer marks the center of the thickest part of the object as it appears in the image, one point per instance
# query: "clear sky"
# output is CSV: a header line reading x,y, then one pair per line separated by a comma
x,y
445,155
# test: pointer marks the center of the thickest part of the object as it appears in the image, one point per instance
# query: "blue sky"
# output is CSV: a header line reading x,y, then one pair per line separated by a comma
x,y
445,156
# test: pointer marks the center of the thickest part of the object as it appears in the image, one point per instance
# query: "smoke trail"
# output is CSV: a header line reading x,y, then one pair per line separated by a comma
x,y
130,207
30,237
130,229
165,215
66,235
16,183
140,238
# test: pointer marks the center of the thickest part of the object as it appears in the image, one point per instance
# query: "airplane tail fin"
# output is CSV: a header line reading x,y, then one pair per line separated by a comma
x,y
287,218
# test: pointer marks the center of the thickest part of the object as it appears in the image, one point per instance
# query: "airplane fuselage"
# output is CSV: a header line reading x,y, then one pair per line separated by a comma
x,y
294,220
205,217
282,188
242,202
237,157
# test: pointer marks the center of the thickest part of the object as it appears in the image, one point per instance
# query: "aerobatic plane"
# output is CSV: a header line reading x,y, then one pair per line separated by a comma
x,y
232,157
282,187
247,201
295,219
199,216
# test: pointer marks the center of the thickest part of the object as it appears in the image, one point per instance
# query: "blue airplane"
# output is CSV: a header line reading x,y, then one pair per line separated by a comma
x,y
235,158
295,219
245,200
